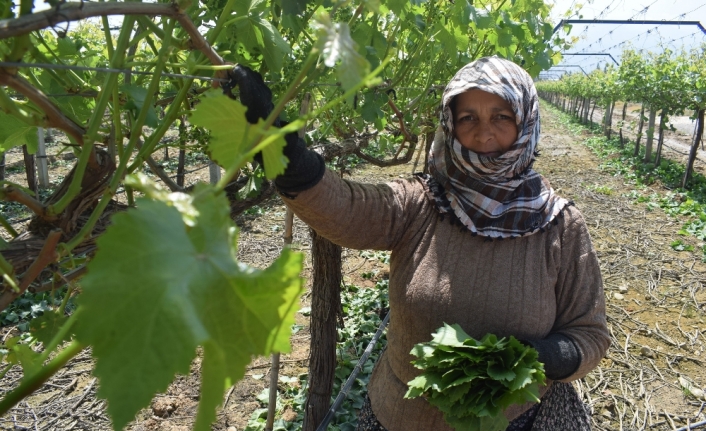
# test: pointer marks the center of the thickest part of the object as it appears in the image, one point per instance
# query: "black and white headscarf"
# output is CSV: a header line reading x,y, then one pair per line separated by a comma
x,y
496,197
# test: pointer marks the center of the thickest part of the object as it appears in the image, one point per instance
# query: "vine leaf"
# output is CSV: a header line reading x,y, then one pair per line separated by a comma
x,y
231,132
158,288
136,102
15,133
294,7
336,44
259,35
46,326
22,354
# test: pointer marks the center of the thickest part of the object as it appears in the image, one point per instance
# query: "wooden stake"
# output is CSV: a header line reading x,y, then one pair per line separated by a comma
x,y
30,170
650,134
288,236
694,148
42,171
214,172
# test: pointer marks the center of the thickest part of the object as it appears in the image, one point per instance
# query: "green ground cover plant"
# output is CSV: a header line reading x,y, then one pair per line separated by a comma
x,y
364,309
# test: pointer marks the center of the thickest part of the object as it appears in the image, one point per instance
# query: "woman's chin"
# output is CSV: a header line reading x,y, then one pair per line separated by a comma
x,y
490,154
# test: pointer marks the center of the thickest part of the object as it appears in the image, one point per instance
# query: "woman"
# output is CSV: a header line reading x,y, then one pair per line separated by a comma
x,y
483,241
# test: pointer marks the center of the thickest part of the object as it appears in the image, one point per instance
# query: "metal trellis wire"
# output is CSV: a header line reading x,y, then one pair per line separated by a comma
x,y
349,383
103,69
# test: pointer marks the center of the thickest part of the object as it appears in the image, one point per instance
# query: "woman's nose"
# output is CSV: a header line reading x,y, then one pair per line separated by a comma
x,y
484,131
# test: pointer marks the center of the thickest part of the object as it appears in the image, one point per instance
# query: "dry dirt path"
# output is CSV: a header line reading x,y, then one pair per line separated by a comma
x,y
655,295
656,312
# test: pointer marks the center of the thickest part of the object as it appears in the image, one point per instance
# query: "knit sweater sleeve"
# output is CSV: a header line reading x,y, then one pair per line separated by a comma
x,y
359,216
581,314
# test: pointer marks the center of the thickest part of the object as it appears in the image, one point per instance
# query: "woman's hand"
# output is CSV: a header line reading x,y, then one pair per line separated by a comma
x,y
558,353
305,168
254,94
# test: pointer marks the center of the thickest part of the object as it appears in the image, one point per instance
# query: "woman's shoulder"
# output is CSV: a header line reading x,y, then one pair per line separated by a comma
x,y
572,216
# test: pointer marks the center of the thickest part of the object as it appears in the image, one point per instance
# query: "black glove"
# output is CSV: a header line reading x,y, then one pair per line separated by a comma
x,y
305,168
558,353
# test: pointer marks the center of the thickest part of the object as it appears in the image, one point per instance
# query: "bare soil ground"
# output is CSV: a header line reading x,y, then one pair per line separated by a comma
x,y
655,297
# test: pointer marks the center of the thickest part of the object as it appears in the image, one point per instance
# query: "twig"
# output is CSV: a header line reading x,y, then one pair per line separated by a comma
x,y
49,285
54,117
670,419
46,256
13,194
272,406
76,11
83,396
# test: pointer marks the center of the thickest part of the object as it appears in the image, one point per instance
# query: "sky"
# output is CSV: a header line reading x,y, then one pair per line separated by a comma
x,y
614,38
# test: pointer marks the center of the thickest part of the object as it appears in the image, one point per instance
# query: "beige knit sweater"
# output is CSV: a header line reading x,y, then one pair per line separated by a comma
x,y
526,287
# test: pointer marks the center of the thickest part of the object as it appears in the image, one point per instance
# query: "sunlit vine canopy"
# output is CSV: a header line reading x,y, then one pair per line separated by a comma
x,y
165,272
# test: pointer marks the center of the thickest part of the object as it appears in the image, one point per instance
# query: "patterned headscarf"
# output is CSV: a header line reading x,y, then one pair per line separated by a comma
x,y
496,197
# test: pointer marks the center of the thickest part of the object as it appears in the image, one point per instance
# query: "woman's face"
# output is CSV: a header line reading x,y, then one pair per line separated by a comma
x,y
484,123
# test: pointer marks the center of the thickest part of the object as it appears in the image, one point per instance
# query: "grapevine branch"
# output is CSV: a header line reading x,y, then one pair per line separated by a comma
x,y
45,257
14,194
55,118
76,11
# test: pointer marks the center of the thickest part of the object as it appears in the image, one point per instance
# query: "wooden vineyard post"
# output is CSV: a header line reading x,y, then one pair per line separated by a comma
x,y
639,131
660,140
41,157
325,311
214,172
650,134
419,154
2,167
609,119
182,152
694,147
274,369
622,123
30,169
288,237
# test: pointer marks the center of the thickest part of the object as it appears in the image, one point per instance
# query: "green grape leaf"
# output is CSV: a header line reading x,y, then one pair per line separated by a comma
x,y
274,47
336,44
372,104
505,39
448,41
462,13
23,355
136,102
15,133
398,6
170,287
293,7
252,186
472,381
372,5
77,108
67,47
273,158
46,326
225,119
482,19
231,132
